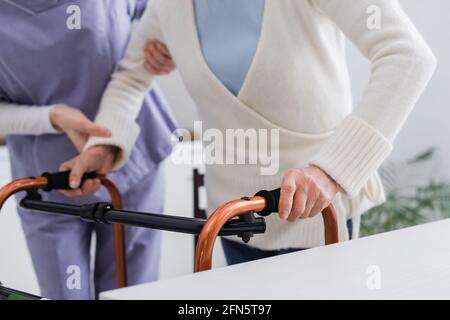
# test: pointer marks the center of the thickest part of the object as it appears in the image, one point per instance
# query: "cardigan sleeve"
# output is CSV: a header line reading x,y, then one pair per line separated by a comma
x,y
25,120
124,95
401,66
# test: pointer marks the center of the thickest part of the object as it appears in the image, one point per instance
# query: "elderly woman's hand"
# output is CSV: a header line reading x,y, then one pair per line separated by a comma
x,y
158,59
305,193
98,159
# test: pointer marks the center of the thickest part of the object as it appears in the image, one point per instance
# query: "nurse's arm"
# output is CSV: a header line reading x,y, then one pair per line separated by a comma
x,y
25,120
401,67
125,92
18,119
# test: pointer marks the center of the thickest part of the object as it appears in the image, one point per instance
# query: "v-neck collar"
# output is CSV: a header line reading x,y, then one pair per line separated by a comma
x,y
204,64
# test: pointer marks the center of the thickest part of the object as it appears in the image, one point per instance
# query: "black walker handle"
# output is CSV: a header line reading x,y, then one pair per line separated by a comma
x,y
60,180
272,201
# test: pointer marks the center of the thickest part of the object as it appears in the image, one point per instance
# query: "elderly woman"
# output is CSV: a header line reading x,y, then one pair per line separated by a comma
x,y
278,65
51,82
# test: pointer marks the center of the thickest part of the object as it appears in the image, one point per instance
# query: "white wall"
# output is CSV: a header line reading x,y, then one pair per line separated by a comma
x,y
178,249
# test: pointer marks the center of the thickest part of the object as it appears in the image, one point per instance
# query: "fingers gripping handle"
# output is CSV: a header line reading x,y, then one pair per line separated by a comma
x,y
329,214
60,180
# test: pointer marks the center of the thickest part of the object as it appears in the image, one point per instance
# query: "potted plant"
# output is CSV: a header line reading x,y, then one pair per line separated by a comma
x,y
413,195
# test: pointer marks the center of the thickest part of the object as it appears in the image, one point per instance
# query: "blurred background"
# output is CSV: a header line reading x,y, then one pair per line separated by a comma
x,y
417,175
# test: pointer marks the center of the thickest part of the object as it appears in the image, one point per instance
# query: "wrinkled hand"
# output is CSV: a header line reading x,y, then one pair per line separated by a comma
x,y
76,125
98,159
158,59
305,193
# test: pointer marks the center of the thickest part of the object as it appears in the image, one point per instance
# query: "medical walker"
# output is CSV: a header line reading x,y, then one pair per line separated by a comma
x,y
233,218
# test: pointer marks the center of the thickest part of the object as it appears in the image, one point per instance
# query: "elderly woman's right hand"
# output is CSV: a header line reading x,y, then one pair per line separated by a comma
x,y
76,125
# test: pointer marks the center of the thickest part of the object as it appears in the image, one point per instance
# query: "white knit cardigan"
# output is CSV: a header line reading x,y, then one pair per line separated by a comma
x,y
298,83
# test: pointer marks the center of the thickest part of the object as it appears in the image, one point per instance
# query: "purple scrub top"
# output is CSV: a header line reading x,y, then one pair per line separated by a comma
x,y
43,62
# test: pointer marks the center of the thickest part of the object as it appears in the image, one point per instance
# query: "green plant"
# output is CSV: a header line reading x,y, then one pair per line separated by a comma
x,y
413,196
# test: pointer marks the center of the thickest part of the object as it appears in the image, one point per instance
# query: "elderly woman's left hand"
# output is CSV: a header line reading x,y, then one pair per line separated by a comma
x,y
305,193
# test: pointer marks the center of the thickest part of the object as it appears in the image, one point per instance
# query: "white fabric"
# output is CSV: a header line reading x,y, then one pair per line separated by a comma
x,y
298,83
25,120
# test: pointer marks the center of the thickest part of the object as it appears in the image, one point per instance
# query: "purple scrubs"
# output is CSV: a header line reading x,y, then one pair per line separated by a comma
x,y
43,62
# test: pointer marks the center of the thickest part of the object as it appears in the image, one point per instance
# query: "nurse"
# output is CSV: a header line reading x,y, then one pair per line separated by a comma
x,y
52,78
280,65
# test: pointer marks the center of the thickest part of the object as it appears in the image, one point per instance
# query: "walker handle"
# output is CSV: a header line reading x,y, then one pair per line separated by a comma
x,y
263,203
272,200
60,180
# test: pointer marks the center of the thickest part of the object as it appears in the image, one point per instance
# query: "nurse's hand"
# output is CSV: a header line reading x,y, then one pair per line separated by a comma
x,y
76,125
158,59
98,159
305,193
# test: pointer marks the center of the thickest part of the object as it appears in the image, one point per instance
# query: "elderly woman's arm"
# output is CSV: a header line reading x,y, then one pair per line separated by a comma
x,y
125,93
119,107
401,66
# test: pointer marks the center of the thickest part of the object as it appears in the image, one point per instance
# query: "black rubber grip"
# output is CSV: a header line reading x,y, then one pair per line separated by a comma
x,y
60,180
272,200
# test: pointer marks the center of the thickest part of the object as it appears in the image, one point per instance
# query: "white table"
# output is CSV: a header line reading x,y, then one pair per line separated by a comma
x,y
412,263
